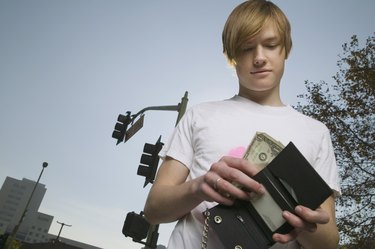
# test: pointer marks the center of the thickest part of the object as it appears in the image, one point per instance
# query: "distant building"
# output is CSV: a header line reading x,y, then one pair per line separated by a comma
x,y
14,195
33,232
66,241
49,245
54,244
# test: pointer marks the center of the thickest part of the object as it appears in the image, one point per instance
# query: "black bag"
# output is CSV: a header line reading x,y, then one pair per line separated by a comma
x,y
241,225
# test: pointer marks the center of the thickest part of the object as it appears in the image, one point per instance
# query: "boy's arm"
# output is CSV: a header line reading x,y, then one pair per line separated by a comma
x,y
170,197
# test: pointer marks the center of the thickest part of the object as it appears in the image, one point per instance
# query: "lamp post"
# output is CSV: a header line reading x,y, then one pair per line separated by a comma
x,y
15,229
62,225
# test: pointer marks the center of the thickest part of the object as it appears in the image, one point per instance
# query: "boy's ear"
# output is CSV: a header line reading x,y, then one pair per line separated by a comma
x,y
286,55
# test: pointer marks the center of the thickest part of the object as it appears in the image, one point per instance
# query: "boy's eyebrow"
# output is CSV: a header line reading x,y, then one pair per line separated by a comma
x,y
273,38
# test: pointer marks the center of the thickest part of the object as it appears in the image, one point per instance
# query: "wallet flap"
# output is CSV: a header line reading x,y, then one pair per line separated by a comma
x,y
292,167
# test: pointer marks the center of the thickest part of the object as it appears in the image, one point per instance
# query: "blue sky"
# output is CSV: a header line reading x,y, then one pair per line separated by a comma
x,y
68,68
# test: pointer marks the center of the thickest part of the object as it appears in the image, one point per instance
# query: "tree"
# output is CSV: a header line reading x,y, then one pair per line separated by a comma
x,y
347,108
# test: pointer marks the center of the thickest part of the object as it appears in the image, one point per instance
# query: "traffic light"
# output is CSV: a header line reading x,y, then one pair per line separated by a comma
x,y
121,126
150,161
135,226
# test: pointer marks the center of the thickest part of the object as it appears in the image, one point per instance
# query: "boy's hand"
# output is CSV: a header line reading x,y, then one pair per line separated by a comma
x,y
216,185
305,219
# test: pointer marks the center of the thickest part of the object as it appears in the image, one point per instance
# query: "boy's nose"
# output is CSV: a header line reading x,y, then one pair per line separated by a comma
x,y
259,58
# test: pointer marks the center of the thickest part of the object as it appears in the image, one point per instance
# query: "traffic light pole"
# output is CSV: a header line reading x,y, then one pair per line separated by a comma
x,y
122,133
182,107
152,236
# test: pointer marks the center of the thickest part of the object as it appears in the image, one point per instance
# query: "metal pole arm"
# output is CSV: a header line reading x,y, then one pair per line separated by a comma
x,y
156,108
180,107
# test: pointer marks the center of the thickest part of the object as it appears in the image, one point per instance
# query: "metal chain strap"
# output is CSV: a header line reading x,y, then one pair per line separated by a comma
x,y
206,228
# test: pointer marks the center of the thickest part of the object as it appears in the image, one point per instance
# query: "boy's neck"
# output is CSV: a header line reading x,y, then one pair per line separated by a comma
x,y
263,98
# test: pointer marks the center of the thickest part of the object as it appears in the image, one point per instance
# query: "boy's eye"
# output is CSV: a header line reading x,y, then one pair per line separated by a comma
x,y
272,45
247,49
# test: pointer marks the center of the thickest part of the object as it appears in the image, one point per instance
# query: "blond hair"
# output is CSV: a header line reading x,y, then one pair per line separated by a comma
x,y
247,20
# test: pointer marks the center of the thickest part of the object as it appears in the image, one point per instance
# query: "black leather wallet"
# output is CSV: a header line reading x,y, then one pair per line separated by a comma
x,y
290,180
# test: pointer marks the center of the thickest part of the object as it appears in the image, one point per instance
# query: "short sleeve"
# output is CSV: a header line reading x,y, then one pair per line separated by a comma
x,y
179,145
325,163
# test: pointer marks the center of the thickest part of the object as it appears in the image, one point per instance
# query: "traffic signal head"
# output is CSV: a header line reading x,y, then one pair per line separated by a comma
x,y
120,127
150,161
135,226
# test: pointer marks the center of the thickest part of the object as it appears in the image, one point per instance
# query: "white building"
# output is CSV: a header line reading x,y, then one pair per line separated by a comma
x,y
14,195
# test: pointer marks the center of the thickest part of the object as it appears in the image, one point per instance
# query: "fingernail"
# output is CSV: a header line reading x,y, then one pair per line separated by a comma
x,y
299,209
261,190
251,195
276,237
313,229
286,214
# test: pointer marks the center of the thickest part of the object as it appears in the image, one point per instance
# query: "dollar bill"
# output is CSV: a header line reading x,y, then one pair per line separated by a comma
x,y
262,150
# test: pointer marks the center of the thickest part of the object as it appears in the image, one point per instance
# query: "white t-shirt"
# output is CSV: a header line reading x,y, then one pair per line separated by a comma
x,y
211,130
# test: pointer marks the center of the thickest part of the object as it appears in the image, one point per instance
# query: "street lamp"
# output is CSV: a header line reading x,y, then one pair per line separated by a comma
x,y
62,225
15,229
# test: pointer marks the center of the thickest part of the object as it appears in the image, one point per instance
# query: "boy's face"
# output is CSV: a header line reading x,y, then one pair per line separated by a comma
x,y
260,67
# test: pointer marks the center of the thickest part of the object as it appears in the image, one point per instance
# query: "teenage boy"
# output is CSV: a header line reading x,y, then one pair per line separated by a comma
x,y
203,155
